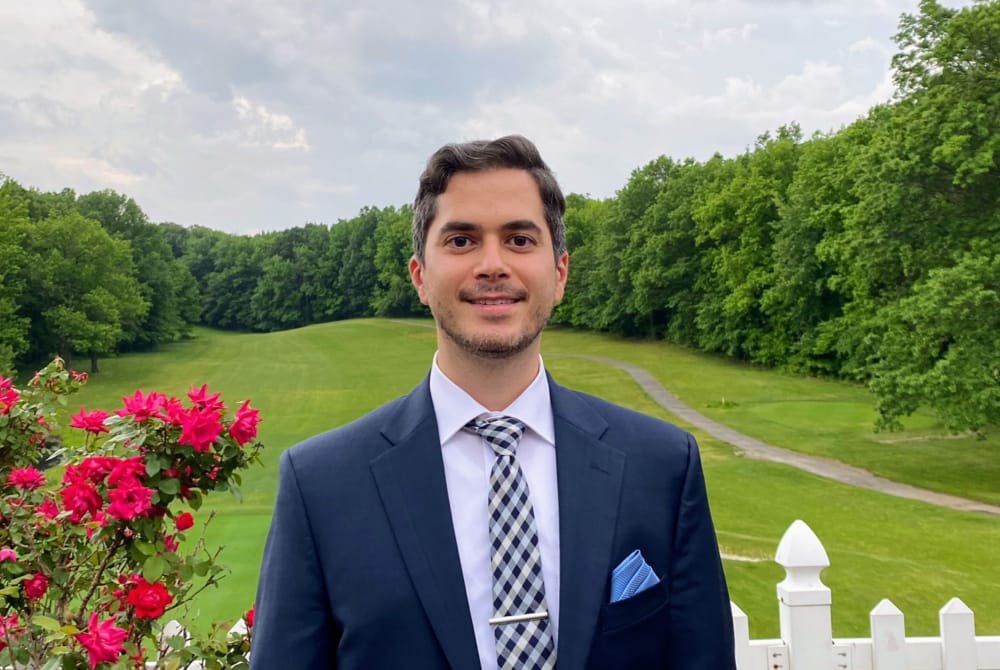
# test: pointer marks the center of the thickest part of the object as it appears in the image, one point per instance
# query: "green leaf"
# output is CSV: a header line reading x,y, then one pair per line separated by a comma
x,y
145,548
45,622
177,642
170,486
153,568
195,500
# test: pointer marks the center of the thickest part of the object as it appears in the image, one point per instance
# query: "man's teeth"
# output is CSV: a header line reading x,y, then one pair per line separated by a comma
x,y
495,302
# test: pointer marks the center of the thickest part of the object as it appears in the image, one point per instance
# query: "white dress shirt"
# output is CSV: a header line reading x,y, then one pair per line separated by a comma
x,y
467,463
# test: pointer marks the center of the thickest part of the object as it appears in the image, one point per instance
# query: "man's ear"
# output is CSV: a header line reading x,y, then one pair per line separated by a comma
x,y
562,272
417,277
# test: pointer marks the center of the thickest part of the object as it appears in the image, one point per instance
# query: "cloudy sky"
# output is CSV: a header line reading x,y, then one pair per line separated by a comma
x,y
247,115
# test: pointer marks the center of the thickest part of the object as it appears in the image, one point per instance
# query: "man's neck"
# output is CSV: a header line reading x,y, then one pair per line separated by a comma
x,y
492,382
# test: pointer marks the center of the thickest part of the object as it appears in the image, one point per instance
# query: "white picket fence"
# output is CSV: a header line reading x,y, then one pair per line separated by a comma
x,y
807,641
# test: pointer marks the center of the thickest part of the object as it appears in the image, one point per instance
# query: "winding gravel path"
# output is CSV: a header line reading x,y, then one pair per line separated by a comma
x,y
824,467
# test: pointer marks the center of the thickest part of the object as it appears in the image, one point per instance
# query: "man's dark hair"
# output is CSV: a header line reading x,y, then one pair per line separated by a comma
x,y
512,151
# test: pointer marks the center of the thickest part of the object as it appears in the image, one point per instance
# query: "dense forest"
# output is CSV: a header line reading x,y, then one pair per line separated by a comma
x,y
871,253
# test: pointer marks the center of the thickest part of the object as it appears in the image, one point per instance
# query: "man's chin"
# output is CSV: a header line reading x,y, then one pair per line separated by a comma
x,y
493,348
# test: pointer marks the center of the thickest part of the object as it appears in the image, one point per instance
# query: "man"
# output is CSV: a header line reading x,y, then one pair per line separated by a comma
x,y
492,518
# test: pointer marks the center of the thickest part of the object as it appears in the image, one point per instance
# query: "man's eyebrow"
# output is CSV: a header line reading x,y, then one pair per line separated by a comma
x,y
522,224
458,226
468,227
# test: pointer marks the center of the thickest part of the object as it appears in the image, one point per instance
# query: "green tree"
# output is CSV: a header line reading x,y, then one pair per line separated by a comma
x,y
942,346
14,226
229,288
585,220
84,296
805,292
393,294
166,284
736,221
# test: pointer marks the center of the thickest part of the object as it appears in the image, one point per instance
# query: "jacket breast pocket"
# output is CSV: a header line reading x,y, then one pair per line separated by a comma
x,y
641,606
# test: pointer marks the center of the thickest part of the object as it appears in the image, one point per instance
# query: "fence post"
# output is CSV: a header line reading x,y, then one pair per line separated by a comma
x,y
804,601
958,636
741,635
888,637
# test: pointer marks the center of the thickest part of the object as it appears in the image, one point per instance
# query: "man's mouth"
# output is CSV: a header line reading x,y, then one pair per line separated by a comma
x,y
493,295
494,301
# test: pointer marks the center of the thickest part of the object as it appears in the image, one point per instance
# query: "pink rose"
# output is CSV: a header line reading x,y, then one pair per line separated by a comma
x,y
80,498
48,508
244,426
92,422
203,400
200,428
35,586
149,599
126,470
140,406
129,500
184,521
27,479
102,640
7,399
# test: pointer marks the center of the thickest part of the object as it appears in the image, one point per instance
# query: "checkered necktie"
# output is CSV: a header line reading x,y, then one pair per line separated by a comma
x,y
520,615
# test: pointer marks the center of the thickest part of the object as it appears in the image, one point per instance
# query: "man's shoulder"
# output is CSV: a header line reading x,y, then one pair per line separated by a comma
x,y
621,424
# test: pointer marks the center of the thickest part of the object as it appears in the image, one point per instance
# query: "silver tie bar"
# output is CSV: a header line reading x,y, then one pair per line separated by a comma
x,y
518,618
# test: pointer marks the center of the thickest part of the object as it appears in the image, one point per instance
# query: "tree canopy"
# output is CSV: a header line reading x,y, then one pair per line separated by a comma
x,y
870,253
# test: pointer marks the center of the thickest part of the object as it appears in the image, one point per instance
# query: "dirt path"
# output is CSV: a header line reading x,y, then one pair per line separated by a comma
x,y
824,467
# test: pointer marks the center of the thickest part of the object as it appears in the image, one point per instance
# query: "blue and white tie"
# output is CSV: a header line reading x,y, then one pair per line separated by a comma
x,y
520,614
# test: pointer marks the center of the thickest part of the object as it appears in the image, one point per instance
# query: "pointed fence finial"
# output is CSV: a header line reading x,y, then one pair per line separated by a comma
x,y
804,601
888,637
958,636
803,557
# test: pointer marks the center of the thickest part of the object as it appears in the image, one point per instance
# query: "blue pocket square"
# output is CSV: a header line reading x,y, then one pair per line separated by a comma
x,y
631,576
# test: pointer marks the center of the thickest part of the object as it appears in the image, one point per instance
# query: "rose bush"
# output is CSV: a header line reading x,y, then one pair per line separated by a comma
x,y
95,561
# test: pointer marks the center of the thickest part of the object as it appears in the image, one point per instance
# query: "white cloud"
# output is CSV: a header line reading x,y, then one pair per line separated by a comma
x,y
865,45
101,169
262,115
729,35
262,127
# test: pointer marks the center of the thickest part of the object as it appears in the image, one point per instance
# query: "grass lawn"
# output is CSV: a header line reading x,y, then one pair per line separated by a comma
x,y
815,416
919,556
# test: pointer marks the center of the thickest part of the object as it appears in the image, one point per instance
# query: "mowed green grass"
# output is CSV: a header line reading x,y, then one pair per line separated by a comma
x,y
816,416
307,380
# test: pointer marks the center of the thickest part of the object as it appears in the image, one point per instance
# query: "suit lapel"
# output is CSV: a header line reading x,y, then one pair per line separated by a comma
x,y
589,476
412,486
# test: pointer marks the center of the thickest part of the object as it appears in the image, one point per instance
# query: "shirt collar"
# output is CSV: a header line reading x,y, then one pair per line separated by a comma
x,y
454,408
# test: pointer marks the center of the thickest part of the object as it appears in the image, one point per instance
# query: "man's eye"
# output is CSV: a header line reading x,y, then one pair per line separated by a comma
x,y
520,240
459,242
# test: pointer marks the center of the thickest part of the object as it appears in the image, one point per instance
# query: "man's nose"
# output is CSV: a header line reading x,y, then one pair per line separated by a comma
x,y
492,260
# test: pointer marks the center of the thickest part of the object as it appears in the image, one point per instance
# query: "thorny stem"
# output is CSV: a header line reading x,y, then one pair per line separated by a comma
x,y
97,575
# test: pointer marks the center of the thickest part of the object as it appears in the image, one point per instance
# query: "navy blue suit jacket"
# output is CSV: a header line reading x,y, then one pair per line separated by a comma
x,y
361,568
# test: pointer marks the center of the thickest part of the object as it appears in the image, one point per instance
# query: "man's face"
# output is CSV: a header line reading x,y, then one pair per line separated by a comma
x,y
489,273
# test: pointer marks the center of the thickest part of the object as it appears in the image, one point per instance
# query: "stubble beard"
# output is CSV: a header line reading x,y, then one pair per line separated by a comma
x,y
495,348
